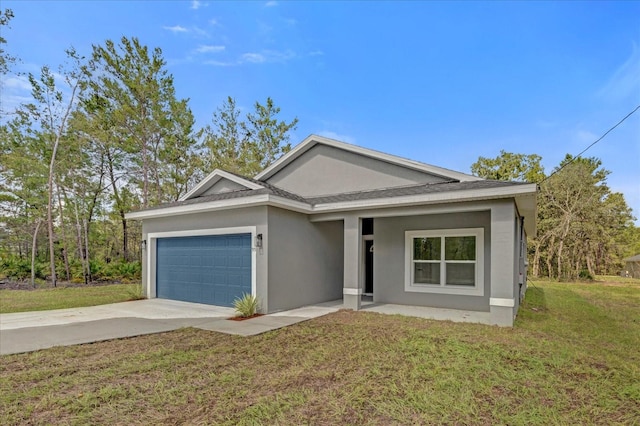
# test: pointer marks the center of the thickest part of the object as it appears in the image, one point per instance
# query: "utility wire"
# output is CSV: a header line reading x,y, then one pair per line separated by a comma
x,y
585,150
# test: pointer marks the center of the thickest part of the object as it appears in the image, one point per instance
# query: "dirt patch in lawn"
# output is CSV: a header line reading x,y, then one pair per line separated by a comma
x,y
245,318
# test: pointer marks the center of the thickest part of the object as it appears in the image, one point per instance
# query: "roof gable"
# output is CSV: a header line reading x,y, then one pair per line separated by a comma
x,y
219,182
321,166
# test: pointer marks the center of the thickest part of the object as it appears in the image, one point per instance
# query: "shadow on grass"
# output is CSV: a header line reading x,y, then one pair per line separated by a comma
x,y
534,306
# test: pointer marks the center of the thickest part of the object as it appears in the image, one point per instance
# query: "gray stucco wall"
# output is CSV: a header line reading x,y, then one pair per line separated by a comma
x,y
305,260
223,185
327,170
254,216
389,259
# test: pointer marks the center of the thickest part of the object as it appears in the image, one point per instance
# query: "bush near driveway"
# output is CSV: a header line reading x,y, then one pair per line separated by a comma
x,y
572,358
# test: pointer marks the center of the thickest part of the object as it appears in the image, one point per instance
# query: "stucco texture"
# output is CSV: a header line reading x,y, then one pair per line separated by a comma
x,y
389,259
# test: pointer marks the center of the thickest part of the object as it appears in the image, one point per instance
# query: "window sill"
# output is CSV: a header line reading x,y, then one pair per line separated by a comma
x,y
438,289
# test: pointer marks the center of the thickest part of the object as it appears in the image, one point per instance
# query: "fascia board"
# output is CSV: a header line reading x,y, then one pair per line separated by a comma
x,y
214,177
453,196
256,200
276,201
206,181
239,180
200,207
287,204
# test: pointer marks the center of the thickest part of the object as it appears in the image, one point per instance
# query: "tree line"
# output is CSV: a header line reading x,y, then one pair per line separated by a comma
x,y
102,136
583,227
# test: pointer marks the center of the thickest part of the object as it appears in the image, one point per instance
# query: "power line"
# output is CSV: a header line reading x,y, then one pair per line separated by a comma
x,y
597,140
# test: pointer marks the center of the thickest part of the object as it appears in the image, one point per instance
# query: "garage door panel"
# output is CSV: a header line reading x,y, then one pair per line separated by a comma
x,y
204,269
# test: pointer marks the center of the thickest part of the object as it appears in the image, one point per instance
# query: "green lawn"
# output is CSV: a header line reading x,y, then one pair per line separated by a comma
x,y
65,297
572,358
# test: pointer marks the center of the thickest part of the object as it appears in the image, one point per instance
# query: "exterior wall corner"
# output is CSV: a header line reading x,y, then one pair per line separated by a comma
x,y
501,316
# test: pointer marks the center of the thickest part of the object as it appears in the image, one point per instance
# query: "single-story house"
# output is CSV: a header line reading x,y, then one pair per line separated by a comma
x,y
632,266
330,221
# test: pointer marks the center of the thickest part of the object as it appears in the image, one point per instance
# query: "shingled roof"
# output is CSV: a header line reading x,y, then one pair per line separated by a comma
x,y
403,191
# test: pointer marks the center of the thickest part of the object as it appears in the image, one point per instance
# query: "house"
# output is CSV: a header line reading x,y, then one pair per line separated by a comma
x,y
329,221
632,266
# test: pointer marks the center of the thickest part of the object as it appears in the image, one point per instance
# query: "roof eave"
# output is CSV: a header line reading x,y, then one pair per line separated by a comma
x,y
250,201
519,192
433,198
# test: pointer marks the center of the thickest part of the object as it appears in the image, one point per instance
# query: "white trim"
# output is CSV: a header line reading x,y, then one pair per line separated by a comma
x,y
456,196
507,303
302,207
213,178
352,291
410,286
314,140
255,200
407,211
152,250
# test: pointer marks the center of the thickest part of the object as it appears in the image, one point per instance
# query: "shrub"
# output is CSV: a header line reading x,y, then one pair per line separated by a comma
x,y
246,306
136,292
126,271
129,271
20,268
584,275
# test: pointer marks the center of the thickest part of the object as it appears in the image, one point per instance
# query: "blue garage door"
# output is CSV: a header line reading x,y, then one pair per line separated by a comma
x,y
212,269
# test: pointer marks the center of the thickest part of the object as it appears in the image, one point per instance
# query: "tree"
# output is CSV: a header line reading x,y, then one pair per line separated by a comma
x,y
23,182
6,60
581,220
138,132
582,225
246,146
511,167
224,141
50,111
266,137
146,119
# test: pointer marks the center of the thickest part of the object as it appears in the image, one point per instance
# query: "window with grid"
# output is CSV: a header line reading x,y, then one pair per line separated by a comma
x,y
445,261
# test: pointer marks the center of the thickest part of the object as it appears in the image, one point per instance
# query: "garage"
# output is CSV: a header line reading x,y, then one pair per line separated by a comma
x,y
211,269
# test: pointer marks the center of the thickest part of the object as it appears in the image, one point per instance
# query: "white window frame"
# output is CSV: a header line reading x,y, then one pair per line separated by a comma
x,y
442,288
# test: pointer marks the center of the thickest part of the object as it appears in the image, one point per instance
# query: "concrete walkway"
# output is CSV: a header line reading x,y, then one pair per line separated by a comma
x,y
31,331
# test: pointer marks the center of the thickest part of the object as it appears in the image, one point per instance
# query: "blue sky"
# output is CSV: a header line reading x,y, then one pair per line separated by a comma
x,y
438,82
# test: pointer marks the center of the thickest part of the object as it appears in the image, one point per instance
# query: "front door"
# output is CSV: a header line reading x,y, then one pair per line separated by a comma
x,y
368,266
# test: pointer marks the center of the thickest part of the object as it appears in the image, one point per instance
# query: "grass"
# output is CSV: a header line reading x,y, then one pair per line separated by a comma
x,y
572,358
66,297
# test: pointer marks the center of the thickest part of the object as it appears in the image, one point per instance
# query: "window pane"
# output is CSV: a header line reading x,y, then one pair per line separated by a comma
x,y
460,248
461,274
426,248
426,273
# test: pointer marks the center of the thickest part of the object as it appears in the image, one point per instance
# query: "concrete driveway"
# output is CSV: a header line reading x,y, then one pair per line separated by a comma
x,y
31,331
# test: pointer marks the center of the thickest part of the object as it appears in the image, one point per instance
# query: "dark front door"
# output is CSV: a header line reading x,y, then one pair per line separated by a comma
x,y
368,266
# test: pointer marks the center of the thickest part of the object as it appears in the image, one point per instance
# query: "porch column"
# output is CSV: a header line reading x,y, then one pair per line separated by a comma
x,y
352,253
503,262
